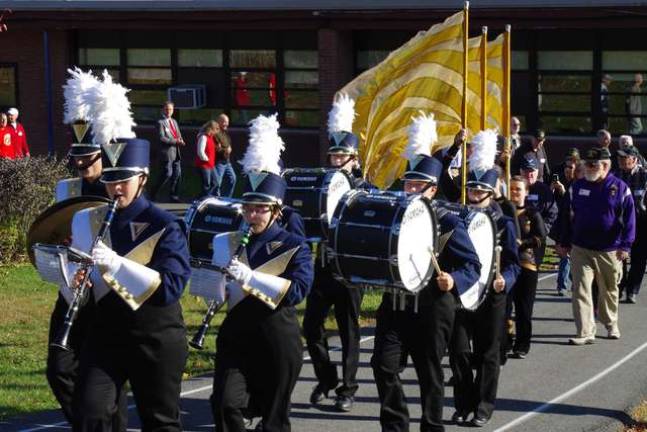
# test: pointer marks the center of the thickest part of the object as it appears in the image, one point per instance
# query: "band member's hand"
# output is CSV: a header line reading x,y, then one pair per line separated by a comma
x,y
460,136
622,255
240,272
78,278
445,281
499,284
107,259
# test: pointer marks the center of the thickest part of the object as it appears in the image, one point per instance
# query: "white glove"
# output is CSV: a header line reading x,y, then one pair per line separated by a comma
x,y
107,259
240,272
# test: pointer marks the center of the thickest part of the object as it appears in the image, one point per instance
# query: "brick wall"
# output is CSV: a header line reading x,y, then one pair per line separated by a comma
x,y
25,49
336,67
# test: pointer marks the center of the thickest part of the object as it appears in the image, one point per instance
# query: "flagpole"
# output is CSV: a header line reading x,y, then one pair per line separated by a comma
x,y
466,10
484,78
506,103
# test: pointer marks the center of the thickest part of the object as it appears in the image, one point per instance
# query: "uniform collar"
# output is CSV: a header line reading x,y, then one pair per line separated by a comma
x,y
257,241
124,216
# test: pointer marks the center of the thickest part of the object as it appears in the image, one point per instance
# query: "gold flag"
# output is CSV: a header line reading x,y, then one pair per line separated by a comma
x,y
425,74
495,85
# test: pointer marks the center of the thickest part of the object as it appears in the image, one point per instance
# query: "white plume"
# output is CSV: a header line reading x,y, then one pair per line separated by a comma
x,y
483,150
341,115
265,146
110,111
75,92
422,136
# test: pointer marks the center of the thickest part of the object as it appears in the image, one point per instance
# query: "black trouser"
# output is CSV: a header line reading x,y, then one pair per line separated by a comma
x,y
327,292
423,335
262,364
632,275
483,327
523,293
153,366
63,366
170,170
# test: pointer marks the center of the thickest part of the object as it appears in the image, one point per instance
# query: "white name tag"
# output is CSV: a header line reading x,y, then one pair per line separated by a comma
x,y
639,192
533,197
542,160
584,192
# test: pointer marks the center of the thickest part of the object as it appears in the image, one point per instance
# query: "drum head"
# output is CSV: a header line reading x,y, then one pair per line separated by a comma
x,y
207,218
339,184
482,231
415,245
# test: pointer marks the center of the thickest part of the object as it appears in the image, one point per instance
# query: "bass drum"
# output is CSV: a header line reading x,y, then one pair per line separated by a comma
x,y
384,239
314,193
209,217
481,229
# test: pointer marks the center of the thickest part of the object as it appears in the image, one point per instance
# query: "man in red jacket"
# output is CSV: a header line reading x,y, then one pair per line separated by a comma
x,y
19,138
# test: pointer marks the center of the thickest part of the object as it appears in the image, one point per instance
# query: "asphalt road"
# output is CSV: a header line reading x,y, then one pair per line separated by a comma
x,y
556,388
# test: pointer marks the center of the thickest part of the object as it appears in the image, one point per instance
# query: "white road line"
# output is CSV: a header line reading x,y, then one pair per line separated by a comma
x,y
183,394
546,277
571,392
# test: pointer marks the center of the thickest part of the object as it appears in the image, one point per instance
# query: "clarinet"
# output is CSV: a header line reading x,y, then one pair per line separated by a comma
x,y
62,337
198,340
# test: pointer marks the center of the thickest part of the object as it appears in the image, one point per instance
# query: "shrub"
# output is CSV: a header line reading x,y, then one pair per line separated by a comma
x,y
26,189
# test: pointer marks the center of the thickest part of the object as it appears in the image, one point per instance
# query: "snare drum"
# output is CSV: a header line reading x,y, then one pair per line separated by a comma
x,y
383,238
314,193
481,229
209,217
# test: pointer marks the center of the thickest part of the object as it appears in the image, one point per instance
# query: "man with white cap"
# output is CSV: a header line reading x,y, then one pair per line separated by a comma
x,y
19,138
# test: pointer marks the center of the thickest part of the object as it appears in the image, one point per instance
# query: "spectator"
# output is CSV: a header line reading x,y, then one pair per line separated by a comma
x,y
604,99
515,142
633,106
170,156
242,96
531,242
598,235
560,187
535,150
226,176
205,159
18,137
540,196
572,157
626,141
636,178
604,138
6,147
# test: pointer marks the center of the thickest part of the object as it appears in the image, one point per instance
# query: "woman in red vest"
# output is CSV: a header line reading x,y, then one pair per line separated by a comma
x,y
205,159
6,148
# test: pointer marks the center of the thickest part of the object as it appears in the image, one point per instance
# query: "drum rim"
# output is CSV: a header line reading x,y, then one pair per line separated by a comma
x,y
197,206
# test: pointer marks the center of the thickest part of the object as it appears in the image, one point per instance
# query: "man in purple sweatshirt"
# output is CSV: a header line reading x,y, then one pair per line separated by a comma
x,y
598,235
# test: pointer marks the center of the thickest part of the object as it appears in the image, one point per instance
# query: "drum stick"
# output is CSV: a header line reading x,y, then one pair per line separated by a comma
x,y
434,261
497,261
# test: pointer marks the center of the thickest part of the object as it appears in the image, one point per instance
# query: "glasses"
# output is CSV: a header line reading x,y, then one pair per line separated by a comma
x,y
256,208
593,164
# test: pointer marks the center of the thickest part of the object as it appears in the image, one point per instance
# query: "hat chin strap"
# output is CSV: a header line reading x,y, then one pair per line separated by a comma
x,y
489,195
90,163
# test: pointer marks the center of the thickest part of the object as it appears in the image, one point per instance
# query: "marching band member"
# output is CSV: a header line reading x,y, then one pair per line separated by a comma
x,y
85,156
423,334
259,351
477,394
138,334
327,291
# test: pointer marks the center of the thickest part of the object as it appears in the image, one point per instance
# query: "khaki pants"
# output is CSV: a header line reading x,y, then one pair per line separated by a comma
x,y
603,267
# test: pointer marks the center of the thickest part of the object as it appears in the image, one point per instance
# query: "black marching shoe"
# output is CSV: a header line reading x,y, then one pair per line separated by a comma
x,y
344,403
318,394
459,418
479,421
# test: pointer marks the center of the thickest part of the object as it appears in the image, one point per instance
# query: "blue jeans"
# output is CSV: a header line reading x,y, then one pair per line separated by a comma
x,y
226,179
564,274
209,181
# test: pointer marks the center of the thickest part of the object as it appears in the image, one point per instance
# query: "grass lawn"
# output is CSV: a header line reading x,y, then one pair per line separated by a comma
x,y
639,416
27,303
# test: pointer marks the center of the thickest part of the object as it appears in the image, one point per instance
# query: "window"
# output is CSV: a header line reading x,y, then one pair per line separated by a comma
x,y
8,87
244,73
301,87
623,104
564,88
100,59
